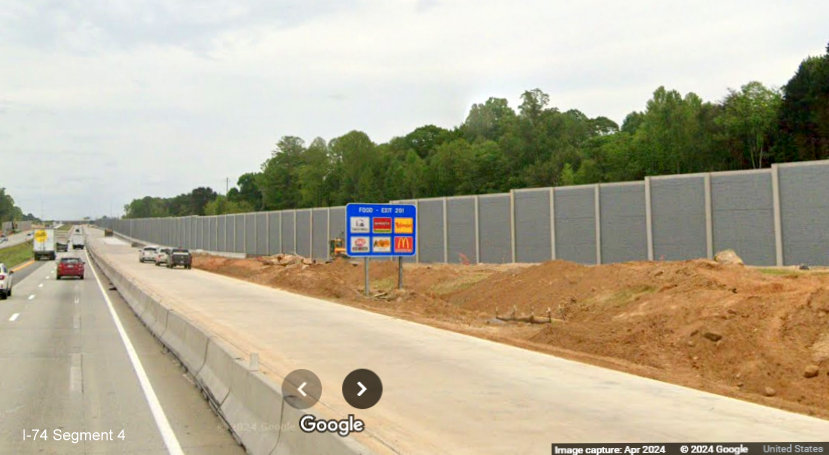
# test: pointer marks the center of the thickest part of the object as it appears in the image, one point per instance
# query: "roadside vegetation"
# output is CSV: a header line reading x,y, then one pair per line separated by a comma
x,y
64,228
11,212
498,148
16,255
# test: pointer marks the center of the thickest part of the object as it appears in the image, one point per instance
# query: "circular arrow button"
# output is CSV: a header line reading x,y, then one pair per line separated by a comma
x,y
362,388
301,389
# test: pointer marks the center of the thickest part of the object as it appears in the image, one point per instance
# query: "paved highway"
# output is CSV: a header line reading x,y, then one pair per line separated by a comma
x,y
14,239
445,392
66,370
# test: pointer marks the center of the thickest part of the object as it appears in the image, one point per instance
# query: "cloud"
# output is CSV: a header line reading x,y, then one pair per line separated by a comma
x,y
158,97
88,26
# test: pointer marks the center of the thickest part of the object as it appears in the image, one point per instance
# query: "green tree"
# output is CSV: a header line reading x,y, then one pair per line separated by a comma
x,y
804,112
248,191
8,210
223,204
488,121
451,169
360,167
278,181
748,118
312,175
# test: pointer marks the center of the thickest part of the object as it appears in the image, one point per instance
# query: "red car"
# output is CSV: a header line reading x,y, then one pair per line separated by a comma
x,y
70,266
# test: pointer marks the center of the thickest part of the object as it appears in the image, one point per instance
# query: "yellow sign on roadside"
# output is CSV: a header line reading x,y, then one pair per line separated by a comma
x,y
40,236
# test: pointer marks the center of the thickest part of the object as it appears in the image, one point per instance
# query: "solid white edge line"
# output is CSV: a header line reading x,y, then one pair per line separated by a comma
x,y
167,433
14,317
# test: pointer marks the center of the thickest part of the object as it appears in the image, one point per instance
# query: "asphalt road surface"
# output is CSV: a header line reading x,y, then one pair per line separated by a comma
x,y
66,373
445,392
14,239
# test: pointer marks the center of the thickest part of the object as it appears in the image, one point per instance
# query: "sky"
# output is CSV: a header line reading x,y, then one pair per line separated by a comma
x,y
104,101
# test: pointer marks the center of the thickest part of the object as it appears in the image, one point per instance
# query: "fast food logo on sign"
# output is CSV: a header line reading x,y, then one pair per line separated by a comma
x,y
360,244
403,225
382,225
404,244
360,225
382,244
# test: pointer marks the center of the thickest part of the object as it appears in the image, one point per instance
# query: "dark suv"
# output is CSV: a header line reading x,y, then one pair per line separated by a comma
x,y
179,256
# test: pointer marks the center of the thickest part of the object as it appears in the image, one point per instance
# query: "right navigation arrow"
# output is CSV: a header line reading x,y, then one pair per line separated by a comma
x,y
362,389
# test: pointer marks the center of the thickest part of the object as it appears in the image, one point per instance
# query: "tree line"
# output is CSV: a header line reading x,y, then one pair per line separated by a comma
x,y
9,211
498,148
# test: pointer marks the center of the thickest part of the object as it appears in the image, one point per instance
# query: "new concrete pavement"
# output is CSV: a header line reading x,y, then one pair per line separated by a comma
x,y
65,369
445,392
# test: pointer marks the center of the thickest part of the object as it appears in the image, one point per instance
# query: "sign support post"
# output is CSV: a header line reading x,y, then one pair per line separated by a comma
x,y
365,272
399,272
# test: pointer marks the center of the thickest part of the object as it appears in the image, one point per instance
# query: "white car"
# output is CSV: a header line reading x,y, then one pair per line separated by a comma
x,y
147,254
5,282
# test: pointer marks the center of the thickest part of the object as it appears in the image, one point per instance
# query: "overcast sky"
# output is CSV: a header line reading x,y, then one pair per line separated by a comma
x,y
103,101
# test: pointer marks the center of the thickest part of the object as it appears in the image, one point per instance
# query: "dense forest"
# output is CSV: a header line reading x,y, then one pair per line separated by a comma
x,y
498,148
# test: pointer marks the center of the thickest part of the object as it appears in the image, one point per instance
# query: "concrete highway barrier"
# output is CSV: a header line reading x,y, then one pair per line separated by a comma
x,y
186,341
214,376
156,318
253,408
250,404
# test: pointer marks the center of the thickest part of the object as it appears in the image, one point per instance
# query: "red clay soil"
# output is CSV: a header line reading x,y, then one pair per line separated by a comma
x,y
727,329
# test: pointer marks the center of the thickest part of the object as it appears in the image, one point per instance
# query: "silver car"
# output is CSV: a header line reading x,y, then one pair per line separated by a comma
x,y
6,280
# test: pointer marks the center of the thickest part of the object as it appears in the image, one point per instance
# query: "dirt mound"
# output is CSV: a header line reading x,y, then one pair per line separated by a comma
x,y
725,328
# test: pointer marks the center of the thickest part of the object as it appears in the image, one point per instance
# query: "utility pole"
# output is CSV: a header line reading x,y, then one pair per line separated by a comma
x,y
227,185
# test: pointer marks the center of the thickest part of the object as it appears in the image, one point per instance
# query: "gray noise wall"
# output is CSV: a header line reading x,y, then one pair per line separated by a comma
x,y
288,245
239,233
337,227
460,216
624,236
221,233
274,227
319,234
532,225
188,232
230,233
250,233
742,208
430,230
494,228
303,233
576,224
679,227
804,202
777,216
213,228
261,223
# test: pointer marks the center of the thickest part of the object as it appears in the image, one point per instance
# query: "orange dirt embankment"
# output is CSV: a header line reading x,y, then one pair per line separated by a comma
x,y
728,329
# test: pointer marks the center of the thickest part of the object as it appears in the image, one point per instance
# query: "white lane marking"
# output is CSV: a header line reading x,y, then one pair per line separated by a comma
x,y
76,322
31,297
167,433
75,376
14,317
40,285
77,299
